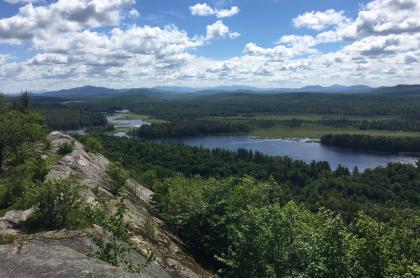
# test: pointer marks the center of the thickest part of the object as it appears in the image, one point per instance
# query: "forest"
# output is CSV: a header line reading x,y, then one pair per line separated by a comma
x,y
251,215
188,128
243,214
371,143
262,115
170,106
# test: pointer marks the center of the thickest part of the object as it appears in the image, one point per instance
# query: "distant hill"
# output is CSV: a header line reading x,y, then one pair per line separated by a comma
x,y
330,89
83,91
168,90
250,89
403,90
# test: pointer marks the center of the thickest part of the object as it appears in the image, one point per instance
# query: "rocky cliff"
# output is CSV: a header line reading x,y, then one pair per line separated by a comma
x,y
63,253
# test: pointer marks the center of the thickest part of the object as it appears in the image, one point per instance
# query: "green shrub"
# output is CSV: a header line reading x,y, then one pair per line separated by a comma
x,y
114,241
93,145
58,205
17,179
111,249
150,228
65,149
7,239
118,175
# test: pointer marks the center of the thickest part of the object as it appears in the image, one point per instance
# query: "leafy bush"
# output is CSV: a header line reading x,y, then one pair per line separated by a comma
x,y
112,248
7,239
150,228
118,175
18,134
113,241
65,149
58,205
248,230
92,145
15,180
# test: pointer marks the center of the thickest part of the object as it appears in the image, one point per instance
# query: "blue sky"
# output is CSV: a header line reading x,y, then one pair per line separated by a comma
x,y
265,43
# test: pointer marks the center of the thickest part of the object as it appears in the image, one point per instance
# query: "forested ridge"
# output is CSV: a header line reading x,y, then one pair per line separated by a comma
x,y
171,107
372,143
251,215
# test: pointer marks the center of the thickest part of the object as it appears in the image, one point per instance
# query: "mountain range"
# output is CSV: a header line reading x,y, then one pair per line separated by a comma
x,y
337,89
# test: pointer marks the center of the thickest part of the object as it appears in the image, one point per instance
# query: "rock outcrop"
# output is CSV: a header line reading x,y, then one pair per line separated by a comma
x,y
63,253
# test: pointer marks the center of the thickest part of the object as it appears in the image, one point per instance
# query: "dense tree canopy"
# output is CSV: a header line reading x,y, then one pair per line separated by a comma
x,y
18,128
372,143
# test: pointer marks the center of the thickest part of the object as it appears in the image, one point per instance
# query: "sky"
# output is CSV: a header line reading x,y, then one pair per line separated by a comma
x,y
49,45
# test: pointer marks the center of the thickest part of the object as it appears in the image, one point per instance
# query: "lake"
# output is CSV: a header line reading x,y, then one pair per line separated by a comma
x,y
299,149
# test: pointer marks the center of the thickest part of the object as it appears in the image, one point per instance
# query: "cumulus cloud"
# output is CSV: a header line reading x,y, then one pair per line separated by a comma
x,y
220,30
203,9
320,20
382,17
63,16
380,46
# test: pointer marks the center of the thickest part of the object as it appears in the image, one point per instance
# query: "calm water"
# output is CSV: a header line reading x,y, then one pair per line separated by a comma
x,y
305,150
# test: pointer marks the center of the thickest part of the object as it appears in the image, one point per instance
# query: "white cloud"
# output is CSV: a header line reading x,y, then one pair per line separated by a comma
x,y
133,13
411,58
220,30
38,22
227,12
320,20
3,59
380,46
203,9
382,17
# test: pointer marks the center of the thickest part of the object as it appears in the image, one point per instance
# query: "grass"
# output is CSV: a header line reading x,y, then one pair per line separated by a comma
x,y
317,131
306,117
146,118
319,117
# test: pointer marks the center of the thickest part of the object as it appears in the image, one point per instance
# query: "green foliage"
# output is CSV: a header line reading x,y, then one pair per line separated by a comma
x,y
150,228
7,239
65,148
371,143
17,179
113,242
24,99
2,102
189,128
18,134
58,117
92,145
58,205
118,176
314,184
149,178
251,232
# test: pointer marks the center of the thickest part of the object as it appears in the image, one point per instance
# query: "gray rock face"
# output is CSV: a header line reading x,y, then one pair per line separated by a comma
x,y
46,256
63,258
14,217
